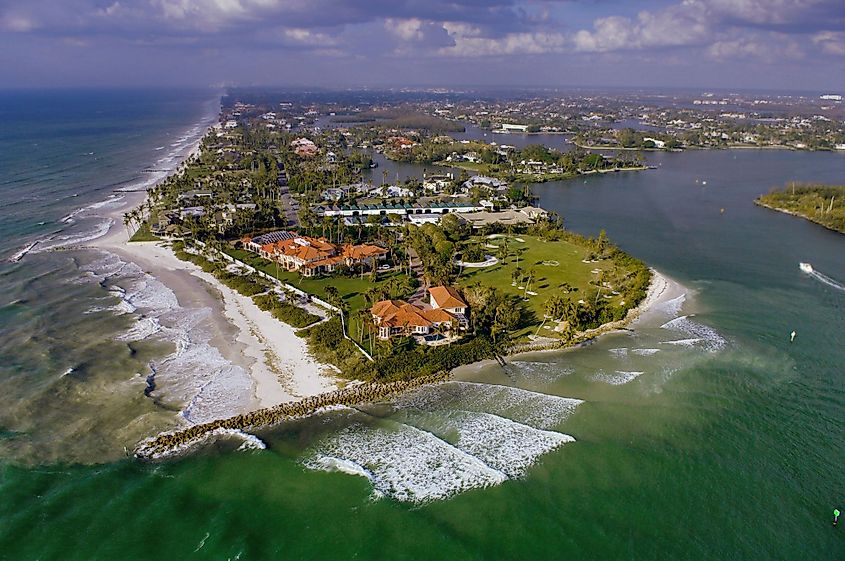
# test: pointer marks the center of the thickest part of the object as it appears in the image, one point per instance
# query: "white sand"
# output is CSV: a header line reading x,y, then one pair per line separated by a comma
x,y
663,292
277,359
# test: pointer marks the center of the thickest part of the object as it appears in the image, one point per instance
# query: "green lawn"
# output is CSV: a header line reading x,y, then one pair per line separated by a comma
x,y
351,289
556,264
144,235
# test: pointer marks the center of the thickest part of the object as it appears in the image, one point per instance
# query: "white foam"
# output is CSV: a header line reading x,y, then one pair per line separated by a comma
x,y
535,409
672,307
329,463
196,373
623,352
645,352
404,463
500,443
701,335
23,251
99,231
618,378
542,371
824,279
683,342
145,328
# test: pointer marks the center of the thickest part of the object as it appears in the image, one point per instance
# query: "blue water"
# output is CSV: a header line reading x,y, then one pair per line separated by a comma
x,y
63,150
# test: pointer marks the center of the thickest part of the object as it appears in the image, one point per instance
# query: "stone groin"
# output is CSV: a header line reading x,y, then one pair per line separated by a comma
x,y
170,442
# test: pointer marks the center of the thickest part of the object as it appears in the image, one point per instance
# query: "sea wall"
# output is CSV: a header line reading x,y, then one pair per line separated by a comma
x,y
170,442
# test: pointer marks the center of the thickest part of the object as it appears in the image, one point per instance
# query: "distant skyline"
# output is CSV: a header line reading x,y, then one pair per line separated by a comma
x,y
749,44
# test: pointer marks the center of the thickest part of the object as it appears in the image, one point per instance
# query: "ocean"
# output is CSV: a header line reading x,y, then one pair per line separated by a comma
x,y
702,434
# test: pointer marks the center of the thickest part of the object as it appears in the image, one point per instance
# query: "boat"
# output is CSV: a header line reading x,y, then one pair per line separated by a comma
x,y
806,267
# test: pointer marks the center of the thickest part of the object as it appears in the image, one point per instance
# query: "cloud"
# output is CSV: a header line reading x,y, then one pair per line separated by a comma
x,y
468,42
830,42
17,23
771,48
679,25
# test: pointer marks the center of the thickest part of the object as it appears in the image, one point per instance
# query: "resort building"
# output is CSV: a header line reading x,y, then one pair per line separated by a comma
x,y
397,317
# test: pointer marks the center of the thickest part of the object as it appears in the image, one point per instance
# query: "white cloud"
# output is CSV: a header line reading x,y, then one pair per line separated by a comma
x,y
682,24
769,48
509,44
777,12
308,37
405,29
17,23
831,42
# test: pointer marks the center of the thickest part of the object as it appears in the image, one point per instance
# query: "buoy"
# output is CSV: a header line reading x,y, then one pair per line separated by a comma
x,y
792,337
722,211
835,516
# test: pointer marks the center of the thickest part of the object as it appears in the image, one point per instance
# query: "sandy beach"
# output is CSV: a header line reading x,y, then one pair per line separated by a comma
x,y
277,360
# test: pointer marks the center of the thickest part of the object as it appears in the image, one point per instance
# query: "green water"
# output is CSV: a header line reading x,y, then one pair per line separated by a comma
x,y
730,447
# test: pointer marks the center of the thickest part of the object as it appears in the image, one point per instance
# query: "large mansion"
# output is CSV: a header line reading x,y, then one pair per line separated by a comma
x,y
314,256
397,317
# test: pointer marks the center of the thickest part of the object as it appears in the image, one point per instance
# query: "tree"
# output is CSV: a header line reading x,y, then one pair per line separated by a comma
x,y
505,318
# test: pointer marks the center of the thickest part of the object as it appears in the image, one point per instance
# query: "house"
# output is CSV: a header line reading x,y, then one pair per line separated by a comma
x,y
437,183
304,148
192,211
254,244
363,254
534,212
315,256
447,298
397,317
492,183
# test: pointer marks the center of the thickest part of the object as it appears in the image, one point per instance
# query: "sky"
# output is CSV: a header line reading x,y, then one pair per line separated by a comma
x,y
749,44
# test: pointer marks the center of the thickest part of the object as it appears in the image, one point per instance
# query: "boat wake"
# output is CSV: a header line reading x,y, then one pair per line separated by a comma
x,y
822,278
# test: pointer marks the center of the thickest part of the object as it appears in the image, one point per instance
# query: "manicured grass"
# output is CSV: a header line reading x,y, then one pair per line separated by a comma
x,y
144,235
549,279
350,289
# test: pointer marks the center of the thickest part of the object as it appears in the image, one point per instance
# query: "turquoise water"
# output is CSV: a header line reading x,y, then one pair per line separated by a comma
x,y
704,434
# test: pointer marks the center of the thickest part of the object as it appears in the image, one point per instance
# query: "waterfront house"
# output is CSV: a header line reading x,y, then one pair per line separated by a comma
x,y
397,317
317,256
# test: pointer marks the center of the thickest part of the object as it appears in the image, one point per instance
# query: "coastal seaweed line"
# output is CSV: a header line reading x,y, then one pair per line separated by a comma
x,y
169,442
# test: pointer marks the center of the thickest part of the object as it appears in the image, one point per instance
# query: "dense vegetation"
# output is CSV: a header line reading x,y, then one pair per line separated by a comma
x,y
419,361
822,204
284,311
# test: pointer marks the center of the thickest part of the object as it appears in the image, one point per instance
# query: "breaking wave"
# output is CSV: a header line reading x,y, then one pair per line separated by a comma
x,y
618,378
535,409
699,334
446,439
195,373
403,462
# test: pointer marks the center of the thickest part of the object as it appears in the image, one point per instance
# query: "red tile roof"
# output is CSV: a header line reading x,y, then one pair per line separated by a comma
x,y
447,297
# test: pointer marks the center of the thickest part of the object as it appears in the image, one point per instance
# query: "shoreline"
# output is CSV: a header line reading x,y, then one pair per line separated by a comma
x,y
797,215
662,290
277,360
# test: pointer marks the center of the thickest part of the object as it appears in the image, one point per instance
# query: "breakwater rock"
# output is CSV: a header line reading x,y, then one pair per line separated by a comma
x,y
171,442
